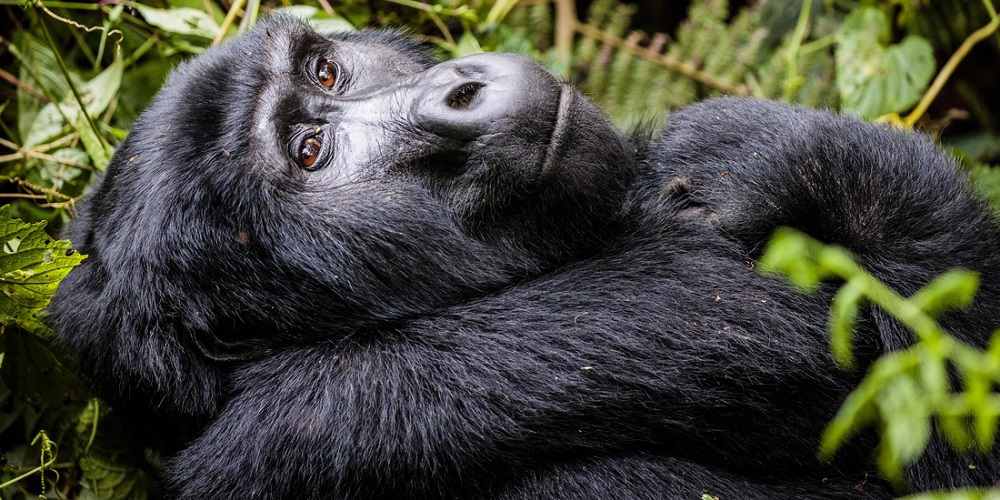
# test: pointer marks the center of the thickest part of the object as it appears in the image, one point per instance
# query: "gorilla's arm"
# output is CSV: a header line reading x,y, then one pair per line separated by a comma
x,y
670,344
892,198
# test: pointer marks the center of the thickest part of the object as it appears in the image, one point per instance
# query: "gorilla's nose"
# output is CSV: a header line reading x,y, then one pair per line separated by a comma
x,y
485,93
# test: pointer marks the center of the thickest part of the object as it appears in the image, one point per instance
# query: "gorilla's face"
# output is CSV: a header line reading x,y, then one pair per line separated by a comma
x,y
326,114
287,181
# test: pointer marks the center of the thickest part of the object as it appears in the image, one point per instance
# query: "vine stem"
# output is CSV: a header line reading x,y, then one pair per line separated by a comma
x,y
69,81
13,80
949,67
925,327
793,80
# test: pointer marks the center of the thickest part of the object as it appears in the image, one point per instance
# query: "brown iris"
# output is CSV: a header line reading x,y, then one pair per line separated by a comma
x,y
326,73
309,152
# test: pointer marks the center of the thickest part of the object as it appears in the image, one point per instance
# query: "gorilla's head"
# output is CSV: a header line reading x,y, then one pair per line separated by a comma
x,y
293,186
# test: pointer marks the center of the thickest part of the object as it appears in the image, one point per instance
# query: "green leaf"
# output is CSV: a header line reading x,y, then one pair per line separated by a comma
x,y
954,289
56,175
31,267
96,149
105,480
96,95
180,20
856,412
993,351
985,426
907,425
792,254
964,494
843,313
955,429
934,376
986,180
319,20
467,45
37,60
873,78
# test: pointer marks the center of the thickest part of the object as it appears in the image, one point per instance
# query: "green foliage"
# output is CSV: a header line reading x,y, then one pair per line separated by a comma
x,y
986,180
181,20
40,396
905,390
86,70
967,494
31,267
875,79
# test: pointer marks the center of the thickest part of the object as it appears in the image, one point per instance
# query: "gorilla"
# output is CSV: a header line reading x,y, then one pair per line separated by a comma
x,y
327,266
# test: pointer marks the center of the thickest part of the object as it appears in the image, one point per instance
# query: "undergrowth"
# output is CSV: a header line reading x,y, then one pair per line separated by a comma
x,y
77,73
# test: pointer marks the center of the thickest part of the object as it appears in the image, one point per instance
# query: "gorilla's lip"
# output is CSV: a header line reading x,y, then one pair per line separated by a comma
x,y
566,97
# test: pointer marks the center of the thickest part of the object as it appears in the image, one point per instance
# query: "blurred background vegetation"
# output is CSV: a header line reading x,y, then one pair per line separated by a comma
x,y
76,74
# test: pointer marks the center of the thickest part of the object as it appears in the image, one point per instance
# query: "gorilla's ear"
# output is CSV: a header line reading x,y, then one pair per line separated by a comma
x,y
127,321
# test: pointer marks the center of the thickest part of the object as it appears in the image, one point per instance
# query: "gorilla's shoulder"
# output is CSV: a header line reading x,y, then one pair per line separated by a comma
x,y
728,122
746,134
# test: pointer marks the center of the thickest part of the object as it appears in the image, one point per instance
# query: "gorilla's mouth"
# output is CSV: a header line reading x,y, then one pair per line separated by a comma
x,y
559,128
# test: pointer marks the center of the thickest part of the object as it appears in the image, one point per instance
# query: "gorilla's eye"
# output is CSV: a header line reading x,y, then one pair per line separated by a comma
x,y
309,152
326,73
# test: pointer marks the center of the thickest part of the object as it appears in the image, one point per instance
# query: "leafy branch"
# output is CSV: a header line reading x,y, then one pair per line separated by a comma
x,y
47,458
906,389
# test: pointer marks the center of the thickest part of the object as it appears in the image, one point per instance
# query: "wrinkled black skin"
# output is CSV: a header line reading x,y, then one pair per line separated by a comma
x,y
481,330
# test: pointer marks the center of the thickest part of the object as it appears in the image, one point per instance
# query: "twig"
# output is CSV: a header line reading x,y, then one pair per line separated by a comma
x,y
228,21
566,24
38,189
462,11
141,51
250,16
34,76
499,11
88,29
327,7
949,67
44,148
27,196
59,5
23,86
672,63
56,159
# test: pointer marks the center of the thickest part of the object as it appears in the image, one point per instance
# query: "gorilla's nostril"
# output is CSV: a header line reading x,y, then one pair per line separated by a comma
x,y
461,97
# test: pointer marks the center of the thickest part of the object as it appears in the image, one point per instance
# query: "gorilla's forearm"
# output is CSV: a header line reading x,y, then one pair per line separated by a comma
x,y
546,369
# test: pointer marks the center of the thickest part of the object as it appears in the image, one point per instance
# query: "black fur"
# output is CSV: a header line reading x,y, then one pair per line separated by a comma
x,y
596,331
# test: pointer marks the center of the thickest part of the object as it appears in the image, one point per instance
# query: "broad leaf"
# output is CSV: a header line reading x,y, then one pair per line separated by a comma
x,y
31,267
180,20
105,480
97,150
319,20
467,45
96,95
874,78
37,61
